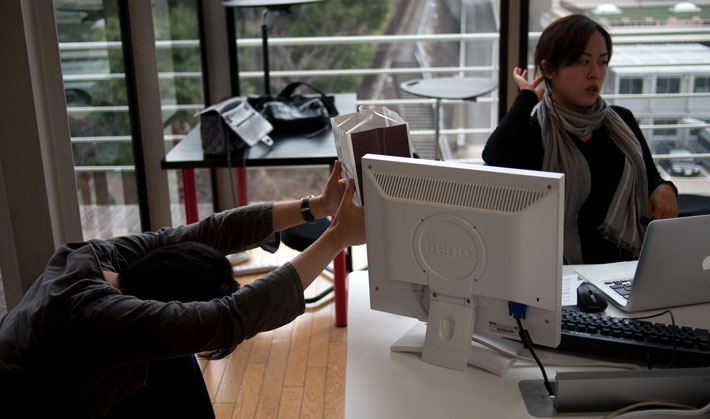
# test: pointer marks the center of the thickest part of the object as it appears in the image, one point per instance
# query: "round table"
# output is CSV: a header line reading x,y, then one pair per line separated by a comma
x,y
452,88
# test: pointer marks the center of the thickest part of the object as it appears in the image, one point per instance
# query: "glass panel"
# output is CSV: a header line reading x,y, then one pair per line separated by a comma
x,y
644,62
181,91
630,86
396,62
94,83
702,85
667,85
665,132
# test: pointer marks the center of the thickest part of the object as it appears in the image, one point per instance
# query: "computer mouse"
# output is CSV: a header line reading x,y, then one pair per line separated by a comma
x,y
590,299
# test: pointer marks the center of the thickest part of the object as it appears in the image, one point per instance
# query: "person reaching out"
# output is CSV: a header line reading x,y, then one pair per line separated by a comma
x,y
111,327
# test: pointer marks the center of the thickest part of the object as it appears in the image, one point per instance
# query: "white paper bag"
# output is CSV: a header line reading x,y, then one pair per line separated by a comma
x,y
376,130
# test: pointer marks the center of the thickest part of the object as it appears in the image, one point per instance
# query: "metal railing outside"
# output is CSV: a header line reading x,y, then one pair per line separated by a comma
x,y
621,35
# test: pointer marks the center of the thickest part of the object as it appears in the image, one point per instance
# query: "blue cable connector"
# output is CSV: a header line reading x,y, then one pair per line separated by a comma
x,y
517,310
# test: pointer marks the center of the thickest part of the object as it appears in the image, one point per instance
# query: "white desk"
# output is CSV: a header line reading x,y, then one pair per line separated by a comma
x,y
383,384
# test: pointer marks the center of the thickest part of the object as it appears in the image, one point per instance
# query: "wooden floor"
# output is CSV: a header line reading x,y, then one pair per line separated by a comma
x,y
296,371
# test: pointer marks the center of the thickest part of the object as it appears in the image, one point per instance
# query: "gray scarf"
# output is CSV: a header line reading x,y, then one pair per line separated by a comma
x,y
622,223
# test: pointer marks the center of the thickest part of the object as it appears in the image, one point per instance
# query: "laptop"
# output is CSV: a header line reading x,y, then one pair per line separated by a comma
x,y
673,268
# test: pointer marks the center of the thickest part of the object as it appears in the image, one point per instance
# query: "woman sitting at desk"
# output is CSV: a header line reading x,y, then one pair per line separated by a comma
x,y
612,185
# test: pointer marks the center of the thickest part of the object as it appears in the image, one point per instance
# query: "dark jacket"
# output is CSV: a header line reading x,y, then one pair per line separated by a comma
x,y
517,143
75,345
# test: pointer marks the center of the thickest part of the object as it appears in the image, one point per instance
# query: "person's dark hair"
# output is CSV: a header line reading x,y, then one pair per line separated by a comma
x,y
186,272
563,42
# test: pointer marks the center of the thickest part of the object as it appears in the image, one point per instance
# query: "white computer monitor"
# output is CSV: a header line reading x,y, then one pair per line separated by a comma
x,y
451,244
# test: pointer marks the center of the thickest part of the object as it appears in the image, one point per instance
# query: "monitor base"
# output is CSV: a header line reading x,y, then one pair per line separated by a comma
x,y
479,356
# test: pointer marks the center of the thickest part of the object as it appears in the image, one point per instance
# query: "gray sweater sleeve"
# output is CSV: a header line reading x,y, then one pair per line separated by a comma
x,y
126,329
228,231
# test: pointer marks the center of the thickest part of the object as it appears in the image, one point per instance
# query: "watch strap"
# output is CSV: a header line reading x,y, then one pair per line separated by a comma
x,y
306,209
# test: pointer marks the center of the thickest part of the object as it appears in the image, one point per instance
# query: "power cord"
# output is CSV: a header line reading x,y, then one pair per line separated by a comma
x,y
518,310
680,410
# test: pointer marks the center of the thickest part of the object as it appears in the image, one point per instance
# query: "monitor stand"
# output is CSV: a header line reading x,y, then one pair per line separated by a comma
x,y
450,345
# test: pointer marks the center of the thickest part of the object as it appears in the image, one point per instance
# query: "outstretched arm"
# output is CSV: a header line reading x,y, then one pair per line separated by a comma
x,y
346,229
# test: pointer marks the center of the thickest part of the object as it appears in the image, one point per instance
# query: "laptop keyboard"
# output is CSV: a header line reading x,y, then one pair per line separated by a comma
x,y
621,286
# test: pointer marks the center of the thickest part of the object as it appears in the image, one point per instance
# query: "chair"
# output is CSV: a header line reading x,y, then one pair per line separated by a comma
x,y
690,204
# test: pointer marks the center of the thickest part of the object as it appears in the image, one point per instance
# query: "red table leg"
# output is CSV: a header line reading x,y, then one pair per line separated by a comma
x,y
188,186
242,186
340,290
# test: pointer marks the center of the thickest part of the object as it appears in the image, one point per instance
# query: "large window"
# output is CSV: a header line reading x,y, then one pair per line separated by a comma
x,y
91,48
672,107
92,63
95,86
375,69
181,91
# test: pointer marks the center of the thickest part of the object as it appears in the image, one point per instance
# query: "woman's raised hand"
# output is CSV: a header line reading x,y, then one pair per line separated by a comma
x,y
520,77
333,192
349,220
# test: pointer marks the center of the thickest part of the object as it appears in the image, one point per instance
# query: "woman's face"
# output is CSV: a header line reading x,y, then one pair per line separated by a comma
x,y
576,87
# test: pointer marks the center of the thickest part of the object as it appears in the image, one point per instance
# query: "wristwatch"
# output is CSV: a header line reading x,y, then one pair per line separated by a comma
x,y
306,209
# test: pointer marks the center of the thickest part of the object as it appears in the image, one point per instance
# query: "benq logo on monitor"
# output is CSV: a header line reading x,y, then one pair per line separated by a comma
x,y
449,247
448,250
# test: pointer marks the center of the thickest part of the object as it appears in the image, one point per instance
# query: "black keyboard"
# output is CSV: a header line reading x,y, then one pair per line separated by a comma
x,y
639,341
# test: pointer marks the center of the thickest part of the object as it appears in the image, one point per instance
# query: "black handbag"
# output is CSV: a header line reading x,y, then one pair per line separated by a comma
x,y
296,114
231,126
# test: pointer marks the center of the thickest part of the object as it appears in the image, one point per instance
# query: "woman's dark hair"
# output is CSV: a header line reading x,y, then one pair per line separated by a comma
x,y
563,42
186,272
